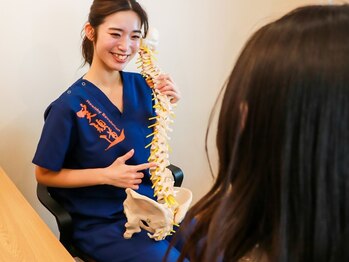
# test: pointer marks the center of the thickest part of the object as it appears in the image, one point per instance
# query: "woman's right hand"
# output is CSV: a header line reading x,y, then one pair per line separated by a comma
x,y
122,175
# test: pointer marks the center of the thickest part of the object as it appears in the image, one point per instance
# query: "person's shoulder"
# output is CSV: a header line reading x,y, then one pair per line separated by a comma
x,y
136,80
69,99
132,75
73,92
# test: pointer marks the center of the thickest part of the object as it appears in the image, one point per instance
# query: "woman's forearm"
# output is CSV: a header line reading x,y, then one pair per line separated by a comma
x,y
69,177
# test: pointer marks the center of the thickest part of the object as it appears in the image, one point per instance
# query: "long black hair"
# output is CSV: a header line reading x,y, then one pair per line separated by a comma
x,y
283,145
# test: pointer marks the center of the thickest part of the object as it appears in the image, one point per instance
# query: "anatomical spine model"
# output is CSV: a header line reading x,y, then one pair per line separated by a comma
x,y
157,217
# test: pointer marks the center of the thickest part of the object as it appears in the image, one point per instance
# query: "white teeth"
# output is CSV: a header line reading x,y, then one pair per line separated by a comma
x,y
122,57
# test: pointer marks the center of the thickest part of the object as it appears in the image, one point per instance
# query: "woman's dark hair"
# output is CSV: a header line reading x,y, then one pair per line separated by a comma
x,y
283,145
100,9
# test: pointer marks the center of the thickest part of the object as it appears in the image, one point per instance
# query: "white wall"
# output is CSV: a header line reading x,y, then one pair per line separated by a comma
x,y
40,57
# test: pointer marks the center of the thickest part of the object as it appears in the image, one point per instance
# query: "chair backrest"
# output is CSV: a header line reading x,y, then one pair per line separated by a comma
x,y
63,218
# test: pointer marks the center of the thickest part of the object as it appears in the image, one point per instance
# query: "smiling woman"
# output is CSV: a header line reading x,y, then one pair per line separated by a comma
x,y
93,143
118,40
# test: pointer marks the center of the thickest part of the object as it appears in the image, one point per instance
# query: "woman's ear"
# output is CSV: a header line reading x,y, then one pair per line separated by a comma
x,y
89,32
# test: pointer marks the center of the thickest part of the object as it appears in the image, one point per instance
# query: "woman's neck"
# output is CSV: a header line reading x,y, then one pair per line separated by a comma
x,y
102,76
103,79
110,83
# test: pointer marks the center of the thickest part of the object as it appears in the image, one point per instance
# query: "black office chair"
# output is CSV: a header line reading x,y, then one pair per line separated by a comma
x,y
64,220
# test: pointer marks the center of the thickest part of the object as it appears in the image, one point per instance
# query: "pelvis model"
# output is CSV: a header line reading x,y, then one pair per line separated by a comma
x,y
157,217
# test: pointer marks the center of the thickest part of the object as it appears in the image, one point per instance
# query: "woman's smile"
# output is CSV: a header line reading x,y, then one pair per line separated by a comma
x,y
121,58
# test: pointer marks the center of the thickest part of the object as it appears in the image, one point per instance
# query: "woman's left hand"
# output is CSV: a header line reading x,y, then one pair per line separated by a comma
x,y
165,84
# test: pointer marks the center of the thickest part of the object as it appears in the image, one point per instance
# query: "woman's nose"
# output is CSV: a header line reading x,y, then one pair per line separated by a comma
x,y
123,44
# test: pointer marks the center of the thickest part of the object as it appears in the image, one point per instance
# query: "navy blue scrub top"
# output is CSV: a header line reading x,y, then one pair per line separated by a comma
x,y
84,129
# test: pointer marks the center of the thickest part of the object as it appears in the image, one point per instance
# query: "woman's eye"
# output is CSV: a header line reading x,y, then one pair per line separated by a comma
x,y
116,35
135,37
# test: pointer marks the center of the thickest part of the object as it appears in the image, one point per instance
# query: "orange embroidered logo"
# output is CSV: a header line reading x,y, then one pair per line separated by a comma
x,y
106,132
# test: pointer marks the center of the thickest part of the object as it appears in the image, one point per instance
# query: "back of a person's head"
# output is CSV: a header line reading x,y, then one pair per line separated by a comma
x,y
283,144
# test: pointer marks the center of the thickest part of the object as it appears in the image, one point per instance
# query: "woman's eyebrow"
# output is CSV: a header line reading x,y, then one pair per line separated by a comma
x,y
115,29
121,30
